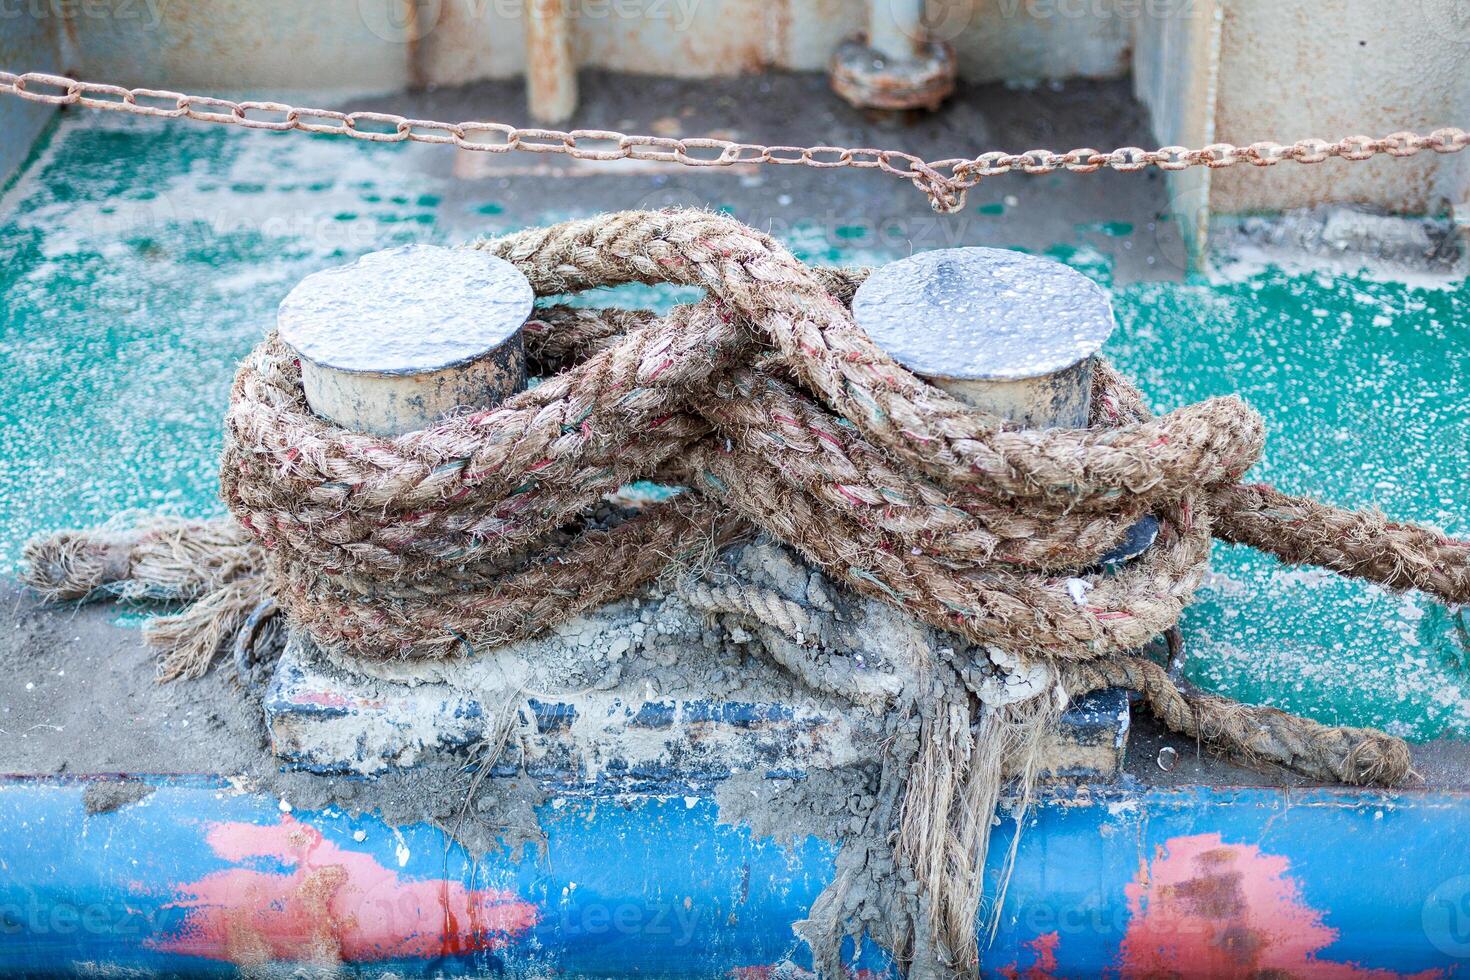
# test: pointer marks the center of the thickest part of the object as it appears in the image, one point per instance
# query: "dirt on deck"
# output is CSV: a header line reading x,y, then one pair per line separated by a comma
x,y
81,699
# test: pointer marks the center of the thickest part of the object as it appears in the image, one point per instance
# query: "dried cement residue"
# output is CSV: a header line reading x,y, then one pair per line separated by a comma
x,y
113,795
866,663
443,790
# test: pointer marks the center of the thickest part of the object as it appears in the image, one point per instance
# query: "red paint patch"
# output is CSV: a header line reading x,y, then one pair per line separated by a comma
x,y
1207,908
1044,966
333,905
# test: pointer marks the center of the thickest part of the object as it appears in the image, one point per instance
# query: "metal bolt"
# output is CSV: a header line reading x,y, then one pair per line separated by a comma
x,y
1008,333
402,338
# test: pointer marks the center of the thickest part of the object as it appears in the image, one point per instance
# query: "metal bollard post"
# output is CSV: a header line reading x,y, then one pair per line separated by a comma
x,y
391,344
1013,335
896,28
551,68
1008,333
401,338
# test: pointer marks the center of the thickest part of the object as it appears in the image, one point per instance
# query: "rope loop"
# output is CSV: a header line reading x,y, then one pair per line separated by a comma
x,y
766,409
767,402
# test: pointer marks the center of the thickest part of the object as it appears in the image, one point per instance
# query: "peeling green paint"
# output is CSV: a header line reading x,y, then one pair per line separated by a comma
x,y
1364,388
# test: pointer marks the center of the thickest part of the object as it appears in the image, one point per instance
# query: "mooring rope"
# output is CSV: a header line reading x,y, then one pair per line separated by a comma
x,y
776,413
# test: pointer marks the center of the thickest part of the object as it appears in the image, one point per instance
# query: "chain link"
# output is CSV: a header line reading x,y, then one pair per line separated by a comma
x,y
944,181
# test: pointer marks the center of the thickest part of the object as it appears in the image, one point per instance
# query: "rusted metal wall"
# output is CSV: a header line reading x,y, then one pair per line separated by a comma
x,y
385,44
266,45
1003,40
1330,68
31,39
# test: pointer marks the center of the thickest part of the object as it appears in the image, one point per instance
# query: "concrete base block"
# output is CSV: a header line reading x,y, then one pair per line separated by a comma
x,y
647,695
326,720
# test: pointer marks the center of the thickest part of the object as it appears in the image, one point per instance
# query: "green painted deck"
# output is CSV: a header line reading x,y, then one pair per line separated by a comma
x,y
141,262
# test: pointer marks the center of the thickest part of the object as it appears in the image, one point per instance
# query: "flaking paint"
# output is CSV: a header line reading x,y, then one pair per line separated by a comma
x,y
292,895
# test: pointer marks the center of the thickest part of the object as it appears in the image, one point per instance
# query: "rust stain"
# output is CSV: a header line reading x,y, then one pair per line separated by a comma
x,y
413,44
69,28
778,14
551,74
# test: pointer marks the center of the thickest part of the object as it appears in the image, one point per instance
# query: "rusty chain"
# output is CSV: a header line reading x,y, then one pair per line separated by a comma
x,y
944,181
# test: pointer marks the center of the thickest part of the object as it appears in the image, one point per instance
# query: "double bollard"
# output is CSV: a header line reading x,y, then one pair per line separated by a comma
x,y
402,338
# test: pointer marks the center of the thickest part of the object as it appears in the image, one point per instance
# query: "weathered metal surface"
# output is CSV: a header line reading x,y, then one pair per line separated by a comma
x,y
1312,65
1176,73
896,28
326,720
270,47
1036,40
551,68
201,876
869,79
894,66
25,39
403,337
1091,743
1010,333
381,44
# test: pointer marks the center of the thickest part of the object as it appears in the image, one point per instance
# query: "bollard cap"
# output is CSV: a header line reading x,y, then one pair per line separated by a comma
x,y
407,310
983,314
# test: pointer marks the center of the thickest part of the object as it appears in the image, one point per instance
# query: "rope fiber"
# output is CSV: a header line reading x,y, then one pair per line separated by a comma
x,y
766,400
776,414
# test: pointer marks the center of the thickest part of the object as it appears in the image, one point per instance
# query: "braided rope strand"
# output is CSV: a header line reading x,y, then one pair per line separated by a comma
x,y
771,412
767,402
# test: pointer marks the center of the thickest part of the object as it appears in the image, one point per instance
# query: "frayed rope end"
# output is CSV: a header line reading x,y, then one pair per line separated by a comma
x,y
211,564
187,643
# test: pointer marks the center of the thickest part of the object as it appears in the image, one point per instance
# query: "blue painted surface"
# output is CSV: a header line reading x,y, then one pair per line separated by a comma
x,y
657,887
1375,867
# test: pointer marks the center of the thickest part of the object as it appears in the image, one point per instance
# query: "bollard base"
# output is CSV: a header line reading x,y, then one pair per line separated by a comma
x,y
324,719
863,78
650,694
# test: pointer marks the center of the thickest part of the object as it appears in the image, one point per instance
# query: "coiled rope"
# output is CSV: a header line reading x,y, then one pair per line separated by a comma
x,y
767,403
